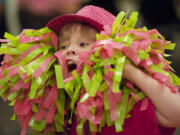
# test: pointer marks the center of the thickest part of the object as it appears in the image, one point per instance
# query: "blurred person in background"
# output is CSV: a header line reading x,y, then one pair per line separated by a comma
x,y
11,12
50,7
36,13
21,14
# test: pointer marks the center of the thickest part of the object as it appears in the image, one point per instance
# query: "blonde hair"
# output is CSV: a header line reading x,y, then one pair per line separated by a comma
x,y
67,29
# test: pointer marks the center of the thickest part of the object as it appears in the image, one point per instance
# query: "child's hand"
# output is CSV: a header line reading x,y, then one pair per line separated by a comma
x,y
167,103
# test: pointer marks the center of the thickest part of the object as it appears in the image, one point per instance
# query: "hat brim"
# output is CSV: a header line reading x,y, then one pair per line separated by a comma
x,y
57,23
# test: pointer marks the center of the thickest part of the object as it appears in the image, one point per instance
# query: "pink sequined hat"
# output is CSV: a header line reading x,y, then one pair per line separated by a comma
x,y
94,16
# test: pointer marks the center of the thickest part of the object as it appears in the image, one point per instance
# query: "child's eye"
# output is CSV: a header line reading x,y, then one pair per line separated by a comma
x,y
83,44
62,47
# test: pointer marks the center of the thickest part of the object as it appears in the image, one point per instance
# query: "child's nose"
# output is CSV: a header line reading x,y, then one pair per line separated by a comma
x,y
71,52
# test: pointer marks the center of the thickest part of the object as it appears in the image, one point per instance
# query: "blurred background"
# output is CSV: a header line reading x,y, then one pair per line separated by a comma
x,y
16,15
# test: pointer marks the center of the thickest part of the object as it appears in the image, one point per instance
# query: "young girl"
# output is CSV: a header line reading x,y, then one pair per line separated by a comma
x,y
77,34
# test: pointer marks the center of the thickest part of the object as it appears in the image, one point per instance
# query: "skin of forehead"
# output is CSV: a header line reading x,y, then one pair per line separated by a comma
x,y
84,30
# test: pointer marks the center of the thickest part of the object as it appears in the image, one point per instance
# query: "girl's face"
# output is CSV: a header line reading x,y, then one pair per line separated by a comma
x,y
74,39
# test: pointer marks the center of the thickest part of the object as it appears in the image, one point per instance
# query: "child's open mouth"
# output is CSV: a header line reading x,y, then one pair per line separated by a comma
x,y
71,65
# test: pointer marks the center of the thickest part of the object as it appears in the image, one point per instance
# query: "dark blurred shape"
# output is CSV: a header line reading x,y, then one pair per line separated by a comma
x,y
29,20
106,4
2,19
2,22
2,25
158,12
